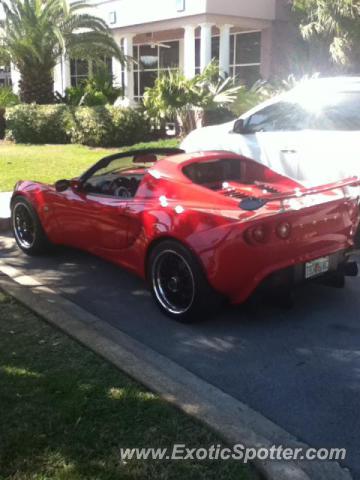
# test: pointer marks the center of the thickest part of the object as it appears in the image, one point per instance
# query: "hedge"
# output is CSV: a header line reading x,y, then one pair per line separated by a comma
x,y
2,122
107,126
102,126
36,123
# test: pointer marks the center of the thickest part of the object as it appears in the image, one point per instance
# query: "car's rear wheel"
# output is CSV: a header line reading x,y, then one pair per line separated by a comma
x,y
178,283
28,231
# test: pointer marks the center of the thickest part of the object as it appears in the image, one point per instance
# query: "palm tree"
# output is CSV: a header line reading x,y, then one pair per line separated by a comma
x,y
335,23
36,34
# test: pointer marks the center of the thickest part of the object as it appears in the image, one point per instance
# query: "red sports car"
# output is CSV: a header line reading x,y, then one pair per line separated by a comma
x,y
198,226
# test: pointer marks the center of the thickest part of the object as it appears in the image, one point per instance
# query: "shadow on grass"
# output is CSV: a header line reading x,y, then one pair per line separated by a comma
x,y
65,413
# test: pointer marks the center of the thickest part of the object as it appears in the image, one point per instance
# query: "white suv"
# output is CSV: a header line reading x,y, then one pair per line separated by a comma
x,y
311,133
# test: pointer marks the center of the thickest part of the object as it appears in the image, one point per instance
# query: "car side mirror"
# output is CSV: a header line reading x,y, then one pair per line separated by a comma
x,y
239,126
62,185
75,185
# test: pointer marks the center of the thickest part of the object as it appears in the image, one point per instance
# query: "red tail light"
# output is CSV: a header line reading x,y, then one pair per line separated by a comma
x,y
256,234
283,230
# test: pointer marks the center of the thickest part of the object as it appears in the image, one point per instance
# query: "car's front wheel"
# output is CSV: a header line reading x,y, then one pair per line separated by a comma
x,y
28,231
178,283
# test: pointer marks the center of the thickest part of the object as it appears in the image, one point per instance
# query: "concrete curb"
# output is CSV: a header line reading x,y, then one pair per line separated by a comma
x,y
230,418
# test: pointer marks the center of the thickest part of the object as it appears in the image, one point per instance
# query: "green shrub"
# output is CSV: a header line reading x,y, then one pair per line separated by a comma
x,y
249,98
98,90
7,99
107,126
36,123
2,122
175,97
217,116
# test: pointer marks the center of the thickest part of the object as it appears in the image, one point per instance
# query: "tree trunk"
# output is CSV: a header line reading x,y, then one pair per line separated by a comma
x,y
37,87
190,119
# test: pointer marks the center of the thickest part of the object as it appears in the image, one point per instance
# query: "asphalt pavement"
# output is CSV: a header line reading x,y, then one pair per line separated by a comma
x,y
300,368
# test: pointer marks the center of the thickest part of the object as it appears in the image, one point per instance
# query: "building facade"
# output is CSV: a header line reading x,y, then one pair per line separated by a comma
x,y
241,35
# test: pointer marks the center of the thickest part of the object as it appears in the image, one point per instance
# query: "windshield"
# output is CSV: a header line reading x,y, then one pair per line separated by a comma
x,y
338,111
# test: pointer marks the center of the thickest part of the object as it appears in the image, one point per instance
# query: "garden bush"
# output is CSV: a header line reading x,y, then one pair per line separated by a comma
x,y
2,122
101,126
189,102
107,126
98,90
31,123
7,99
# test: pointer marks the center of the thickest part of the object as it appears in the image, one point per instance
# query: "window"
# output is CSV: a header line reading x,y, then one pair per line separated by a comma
x,y
5,75
112,17
245,57
339,113
197,56
342,112
213,174
152,60
215,47
80,70
169,57
180,5
281,116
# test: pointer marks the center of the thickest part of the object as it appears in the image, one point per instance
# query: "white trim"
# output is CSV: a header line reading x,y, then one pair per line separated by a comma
x,y
245,65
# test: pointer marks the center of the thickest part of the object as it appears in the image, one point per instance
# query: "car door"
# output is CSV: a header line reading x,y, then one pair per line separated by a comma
x,y
109,221
89,221
92,212
275,136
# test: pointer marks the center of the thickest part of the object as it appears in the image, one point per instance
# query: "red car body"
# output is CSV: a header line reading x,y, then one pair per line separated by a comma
x,y
242,231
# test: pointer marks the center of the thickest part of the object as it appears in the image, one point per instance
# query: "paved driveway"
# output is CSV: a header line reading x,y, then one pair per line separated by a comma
x,y
300,368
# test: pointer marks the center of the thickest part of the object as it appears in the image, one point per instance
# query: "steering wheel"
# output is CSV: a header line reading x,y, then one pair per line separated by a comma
x,y
120,187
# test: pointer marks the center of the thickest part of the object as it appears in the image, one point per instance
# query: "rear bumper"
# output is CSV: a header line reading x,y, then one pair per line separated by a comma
x,y
288,277
292,276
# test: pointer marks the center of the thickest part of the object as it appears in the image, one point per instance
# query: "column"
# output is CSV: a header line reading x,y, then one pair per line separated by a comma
x,y
66,72
129,70
224,56
189,51
62,79
15,78
58,80
116,66
205,45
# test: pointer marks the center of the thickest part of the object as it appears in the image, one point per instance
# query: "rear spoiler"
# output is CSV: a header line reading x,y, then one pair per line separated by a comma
x,y
254,203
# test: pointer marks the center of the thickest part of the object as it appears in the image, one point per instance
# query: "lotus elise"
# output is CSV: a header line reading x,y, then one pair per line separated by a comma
x,y
199,227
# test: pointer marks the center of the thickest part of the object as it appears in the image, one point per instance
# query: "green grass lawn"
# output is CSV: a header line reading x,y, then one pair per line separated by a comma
x,y
48,163
65,412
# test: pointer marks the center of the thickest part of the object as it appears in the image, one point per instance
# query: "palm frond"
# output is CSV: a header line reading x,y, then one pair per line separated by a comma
x,y
37,32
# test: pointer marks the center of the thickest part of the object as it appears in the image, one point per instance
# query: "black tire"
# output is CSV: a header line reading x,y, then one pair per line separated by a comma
x,y
27,229
178,283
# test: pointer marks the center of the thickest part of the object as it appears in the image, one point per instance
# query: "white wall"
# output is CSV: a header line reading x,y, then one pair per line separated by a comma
x,y
260,9
133,12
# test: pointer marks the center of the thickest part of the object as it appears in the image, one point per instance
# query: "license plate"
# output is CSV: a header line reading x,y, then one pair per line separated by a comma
x,y
317,267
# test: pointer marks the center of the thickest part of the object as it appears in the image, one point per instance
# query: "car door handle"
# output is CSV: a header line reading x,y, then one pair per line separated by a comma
x,y
288,150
